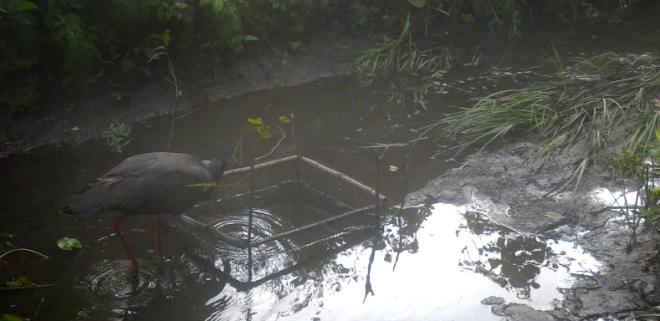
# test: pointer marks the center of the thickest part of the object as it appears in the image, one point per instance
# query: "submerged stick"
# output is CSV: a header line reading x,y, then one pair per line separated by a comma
x,y
23,250
250,216
313,225
341,176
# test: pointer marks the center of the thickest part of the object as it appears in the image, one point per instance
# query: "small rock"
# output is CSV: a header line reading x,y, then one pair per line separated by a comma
x,y
498,310
493,300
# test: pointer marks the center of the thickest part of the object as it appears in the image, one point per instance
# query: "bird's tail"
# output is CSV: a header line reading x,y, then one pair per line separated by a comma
x,y
77,204
70,206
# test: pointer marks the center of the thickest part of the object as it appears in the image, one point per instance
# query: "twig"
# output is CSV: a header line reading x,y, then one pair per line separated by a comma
x,y
23,249
405,183
272,150
38,310
384,145
26,287
250,218
176,103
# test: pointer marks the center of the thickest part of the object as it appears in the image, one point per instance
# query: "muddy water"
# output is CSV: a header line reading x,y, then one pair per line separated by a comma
x,y
436,261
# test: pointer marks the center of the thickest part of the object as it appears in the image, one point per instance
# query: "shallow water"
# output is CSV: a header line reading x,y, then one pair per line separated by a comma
x,y
430,262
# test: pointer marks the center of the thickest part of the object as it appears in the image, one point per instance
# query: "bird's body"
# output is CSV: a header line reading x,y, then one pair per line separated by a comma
x,y
153,183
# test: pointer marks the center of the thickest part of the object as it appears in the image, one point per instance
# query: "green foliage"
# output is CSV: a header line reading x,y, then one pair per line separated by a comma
x,y
203,185
78,41
21,282
408,70
11,317
117,137
262,129
418,3
68,244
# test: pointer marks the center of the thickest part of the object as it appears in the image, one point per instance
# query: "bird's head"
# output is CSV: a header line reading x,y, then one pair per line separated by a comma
x,y
217,168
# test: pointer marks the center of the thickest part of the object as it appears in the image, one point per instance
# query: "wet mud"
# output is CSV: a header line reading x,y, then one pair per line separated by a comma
x,y
537,198
78,118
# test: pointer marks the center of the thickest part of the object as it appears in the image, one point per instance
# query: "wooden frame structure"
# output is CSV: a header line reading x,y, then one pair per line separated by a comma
x,y
248,243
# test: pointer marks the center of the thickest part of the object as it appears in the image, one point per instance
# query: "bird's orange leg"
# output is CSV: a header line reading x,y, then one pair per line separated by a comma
x,y
159,245
133,269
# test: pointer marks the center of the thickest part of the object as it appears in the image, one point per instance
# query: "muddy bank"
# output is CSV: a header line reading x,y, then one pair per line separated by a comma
x,y
534,198
61,118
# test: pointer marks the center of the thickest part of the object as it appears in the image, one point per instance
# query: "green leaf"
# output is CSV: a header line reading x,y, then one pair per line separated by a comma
x,y
167,37
264,132
11,317
21,281
284,120
25,5
218,6
255,121
418,3
183,11
205,185
68,243
657,135
250,38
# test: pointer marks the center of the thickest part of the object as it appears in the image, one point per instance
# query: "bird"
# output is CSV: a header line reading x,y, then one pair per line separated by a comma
x,y
147,184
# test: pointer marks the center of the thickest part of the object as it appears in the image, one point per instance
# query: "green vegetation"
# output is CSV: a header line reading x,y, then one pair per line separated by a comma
x,y
78,42
11,317
409,69
609,104
605,101
21,282
639,170
117,137
266,131
68,244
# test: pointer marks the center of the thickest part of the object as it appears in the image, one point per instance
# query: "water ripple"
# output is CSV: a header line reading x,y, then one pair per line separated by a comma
x,y
109,279
267,258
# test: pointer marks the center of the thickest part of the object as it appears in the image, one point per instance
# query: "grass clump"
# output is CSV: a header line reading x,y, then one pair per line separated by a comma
x,y
604,101
407,69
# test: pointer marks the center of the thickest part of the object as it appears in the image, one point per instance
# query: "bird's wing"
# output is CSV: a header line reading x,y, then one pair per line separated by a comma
x,y
144,184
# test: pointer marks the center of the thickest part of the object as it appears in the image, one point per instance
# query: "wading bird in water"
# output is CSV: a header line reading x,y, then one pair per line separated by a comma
x,y
153,184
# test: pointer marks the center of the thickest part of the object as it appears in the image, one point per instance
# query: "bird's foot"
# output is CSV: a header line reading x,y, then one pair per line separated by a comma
x,y
133,272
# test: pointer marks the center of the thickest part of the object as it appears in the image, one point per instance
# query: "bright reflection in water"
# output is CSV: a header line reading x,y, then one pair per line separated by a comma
x,y
622,201
434,264
615,198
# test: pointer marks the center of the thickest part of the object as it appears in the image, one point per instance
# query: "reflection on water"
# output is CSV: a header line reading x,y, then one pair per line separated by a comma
x,y
268,258
448,259
432,263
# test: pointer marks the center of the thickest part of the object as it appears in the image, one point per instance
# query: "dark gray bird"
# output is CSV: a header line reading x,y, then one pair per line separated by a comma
x,y
152,183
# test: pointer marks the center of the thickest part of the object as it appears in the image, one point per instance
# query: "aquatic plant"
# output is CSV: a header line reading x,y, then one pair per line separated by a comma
x,y
117,137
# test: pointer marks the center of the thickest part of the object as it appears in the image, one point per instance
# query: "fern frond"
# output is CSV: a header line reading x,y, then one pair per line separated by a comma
x,y
78,49
218,6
